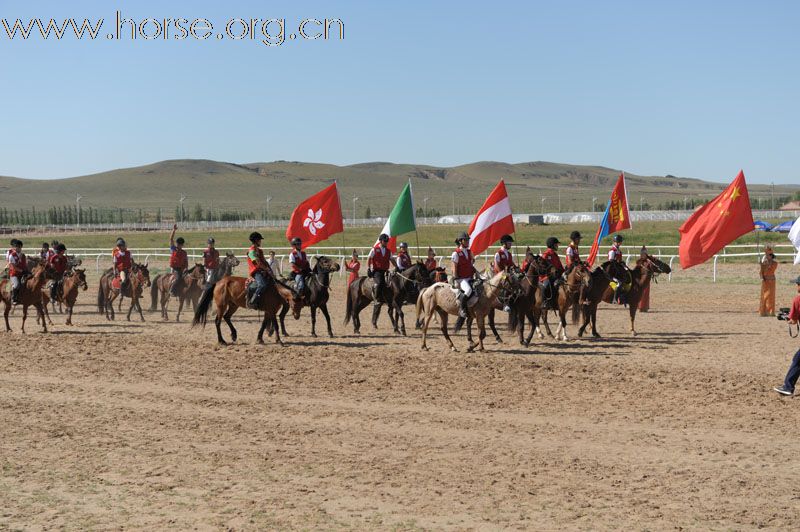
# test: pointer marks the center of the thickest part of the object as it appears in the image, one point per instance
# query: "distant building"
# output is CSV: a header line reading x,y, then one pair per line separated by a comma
x,y
791,206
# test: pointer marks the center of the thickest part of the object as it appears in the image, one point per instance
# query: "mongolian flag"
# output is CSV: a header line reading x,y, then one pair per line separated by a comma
x,y
317,218
716,224
492,221
616,218
402,218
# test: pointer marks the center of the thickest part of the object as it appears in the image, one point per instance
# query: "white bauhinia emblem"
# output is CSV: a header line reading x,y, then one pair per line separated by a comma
x,y
314,221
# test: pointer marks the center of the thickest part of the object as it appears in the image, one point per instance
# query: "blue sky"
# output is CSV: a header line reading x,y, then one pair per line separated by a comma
x,y
695,89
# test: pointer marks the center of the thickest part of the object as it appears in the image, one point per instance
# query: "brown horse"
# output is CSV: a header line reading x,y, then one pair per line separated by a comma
x,y
230,293
601,278
30,293
317,293
528,304
577,279
441,299
107,292
192,288
647,268
73,282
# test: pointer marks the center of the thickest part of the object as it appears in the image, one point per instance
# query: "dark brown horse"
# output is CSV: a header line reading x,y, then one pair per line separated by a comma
x,y
30,293
68,294
230,293
647,268
359,296
107,292
601,278
317,293
191,289
528,304
577,279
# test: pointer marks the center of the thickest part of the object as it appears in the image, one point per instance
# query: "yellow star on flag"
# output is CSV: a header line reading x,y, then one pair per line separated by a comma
x,y
735,194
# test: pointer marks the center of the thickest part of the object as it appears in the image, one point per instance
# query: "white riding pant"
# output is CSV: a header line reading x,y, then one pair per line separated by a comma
x,y
15,282
465,285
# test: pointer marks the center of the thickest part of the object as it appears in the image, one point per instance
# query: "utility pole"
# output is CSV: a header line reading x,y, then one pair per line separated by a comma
x,y
685,198
183,198
355,199
641,203
425,208
559,200
269,198
454,203
78,199
543,199
594,200
772,191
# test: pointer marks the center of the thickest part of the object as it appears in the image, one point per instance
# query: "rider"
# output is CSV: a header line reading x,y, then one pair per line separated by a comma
x,y
573,253
430,262
378,261
46,252
122,262
211,261
17,268
300,267
258,269
178,261
503,259
615,255
58,263
353,267
403,259
463,271
528,259
550,283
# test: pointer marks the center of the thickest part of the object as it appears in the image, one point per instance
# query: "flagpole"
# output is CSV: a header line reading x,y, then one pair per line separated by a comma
x,y
416,231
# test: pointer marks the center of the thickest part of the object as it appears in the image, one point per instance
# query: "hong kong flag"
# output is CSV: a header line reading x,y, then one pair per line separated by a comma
x,y
317,218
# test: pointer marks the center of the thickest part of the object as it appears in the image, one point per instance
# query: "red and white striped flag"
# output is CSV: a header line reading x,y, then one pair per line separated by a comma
x,y
493,220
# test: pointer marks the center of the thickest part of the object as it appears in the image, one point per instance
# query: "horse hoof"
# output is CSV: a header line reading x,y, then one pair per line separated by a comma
x,y
223,343
596,335
633,333
313,335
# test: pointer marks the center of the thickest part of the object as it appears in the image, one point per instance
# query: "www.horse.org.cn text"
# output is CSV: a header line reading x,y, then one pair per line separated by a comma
x,y
267,31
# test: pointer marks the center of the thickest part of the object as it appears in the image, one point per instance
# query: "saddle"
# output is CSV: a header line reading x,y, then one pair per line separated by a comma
x,y
477,290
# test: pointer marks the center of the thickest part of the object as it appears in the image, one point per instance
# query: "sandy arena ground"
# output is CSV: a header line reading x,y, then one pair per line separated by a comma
x,y
152,426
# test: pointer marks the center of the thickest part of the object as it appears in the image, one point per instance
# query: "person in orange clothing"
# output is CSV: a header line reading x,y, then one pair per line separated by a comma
x,y
766,306
644,302
353,267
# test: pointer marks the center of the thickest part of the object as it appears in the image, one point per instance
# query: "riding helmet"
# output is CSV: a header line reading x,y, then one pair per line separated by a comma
x,y
575,235
14,243
383,238
255,236
552,241
618,238
45,245
211,240
180,240
403,245
462,236
506,238
61,247
121,242
296,241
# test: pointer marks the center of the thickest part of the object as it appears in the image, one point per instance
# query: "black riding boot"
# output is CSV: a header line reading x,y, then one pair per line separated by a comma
x,y
15,296
463,310
54,291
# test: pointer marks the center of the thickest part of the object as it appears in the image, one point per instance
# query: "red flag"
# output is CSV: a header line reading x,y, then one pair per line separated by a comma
x,y
317,218
493,220
716,224
616,218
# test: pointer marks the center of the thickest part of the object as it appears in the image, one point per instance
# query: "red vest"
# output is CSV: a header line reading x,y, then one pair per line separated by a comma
x,y
615,253
211,259
300,263
59,263
380,258
403,261
179,259
430,264
505,260
15,270
122,260
575,257
255,265
464,267
552,257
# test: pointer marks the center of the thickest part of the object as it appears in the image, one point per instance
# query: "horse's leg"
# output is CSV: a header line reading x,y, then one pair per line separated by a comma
x,y
277,333
469,333
493,328
24,316
69,313
482,332
47,315
443,320
164,304
425,322
110,306
5,315
40,312
284,312
376,311
217,322
546,325
324,308
180,308
530,315
139,309
594,321
313,321
260,339
227,316
632,309
400,318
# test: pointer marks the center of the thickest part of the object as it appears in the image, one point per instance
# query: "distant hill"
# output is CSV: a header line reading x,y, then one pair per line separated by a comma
x,y
246,186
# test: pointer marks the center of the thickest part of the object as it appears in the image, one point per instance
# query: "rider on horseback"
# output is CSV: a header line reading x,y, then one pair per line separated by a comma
x,y
46,252
258,269
615,255
17,268
178,261
58,264
504,261
122,262
550,282
573,253
300,267
463,272
403,259
378,261
211,261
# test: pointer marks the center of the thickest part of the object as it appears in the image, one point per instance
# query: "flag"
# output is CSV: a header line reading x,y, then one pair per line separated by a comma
x,y
492,221
402,218
716,224
616,218
317,218
794,237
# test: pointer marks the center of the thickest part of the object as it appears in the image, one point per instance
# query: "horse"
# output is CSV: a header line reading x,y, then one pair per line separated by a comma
x,y
441,299
107,292
73,282
317,293
406,287
577,278
601,278
646,269
230,293
528,305
30,293
193,281
359,296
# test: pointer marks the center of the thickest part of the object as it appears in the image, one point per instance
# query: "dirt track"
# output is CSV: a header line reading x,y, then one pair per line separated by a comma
x,y
152,426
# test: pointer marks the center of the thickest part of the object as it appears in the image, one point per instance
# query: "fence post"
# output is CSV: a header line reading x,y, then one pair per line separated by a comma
x,y
715,268
669,277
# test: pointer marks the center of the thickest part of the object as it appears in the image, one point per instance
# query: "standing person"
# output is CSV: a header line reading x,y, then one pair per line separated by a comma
x,y
122,262
378,261
353,267
58,264
644,302
178,261
766,305
257,269
503,259
403,259
17,268
463,269
211,261
298,260
274,264
46,253
573,255
550,281
794,369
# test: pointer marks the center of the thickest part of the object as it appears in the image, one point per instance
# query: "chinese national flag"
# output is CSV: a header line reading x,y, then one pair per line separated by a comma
x,y
317,218
716,224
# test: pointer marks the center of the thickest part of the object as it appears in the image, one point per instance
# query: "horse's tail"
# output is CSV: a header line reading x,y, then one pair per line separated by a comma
x,y
513,321
349,308
154,293
576,312
101,299
419,305
201,312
